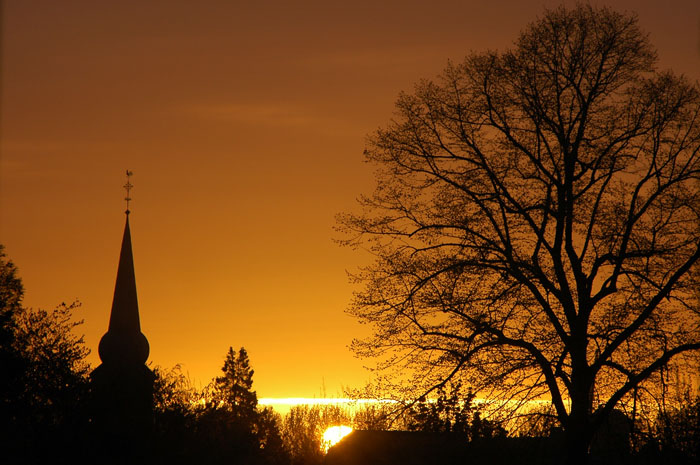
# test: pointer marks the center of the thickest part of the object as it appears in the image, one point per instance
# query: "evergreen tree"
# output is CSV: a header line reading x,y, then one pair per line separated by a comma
x,y
230,427
235,387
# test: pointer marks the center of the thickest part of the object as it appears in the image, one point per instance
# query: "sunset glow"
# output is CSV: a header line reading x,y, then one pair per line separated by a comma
x,y
334,434
244,125
350,233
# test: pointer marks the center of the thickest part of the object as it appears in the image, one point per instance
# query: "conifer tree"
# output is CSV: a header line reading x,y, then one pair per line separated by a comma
x,y
235,387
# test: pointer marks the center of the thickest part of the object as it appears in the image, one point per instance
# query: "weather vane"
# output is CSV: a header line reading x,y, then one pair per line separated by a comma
x,y
128,187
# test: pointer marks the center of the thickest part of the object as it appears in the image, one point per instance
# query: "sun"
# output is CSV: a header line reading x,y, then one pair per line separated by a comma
x,y
334,434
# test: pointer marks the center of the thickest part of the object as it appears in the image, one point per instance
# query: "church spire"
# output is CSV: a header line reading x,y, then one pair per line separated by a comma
x,y
124,342
125,305
122,385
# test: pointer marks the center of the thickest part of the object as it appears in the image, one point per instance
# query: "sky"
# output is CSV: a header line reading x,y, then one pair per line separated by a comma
x,y
244,125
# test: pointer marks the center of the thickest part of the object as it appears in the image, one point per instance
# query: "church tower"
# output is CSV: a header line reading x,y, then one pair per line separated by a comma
x,y
122,385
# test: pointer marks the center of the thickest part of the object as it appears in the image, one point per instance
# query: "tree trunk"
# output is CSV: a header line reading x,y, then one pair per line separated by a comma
x,y
577,434
576,445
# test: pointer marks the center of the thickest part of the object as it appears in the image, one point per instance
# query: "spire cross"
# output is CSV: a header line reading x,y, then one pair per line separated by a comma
x,y
128,187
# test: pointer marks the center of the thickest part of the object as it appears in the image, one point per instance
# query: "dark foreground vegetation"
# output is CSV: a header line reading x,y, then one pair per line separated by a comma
x,y
45,414
537,236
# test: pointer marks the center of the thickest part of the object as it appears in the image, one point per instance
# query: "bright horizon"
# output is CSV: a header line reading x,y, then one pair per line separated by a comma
x,y
244,126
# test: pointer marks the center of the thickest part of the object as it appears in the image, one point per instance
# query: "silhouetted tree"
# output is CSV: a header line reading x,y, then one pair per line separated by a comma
x,y
269,432
173,391
235,387
373,417
451,412
535,222
12,363
56,378
176,404
301,433
229,426
678,433
303,428
43,378
537,421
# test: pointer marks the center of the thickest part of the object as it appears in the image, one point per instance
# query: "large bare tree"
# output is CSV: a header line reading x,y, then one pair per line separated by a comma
x,y
535,222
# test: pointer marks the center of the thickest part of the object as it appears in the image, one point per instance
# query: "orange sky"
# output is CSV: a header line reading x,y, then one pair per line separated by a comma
x,y
244,126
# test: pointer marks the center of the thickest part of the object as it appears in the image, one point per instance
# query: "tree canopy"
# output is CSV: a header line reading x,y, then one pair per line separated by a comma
x,y
535,222
43,382
235,387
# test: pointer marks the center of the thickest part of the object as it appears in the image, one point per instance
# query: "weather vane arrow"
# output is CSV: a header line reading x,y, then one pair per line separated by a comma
x,y
128,186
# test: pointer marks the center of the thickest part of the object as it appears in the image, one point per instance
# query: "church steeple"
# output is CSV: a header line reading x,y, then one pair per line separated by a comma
x,y
122,385
124,342
125,305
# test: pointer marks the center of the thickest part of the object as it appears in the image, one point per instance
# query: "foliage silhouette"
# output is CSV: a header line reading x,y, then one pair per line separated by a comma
x,y
44,417
301,433
43,384
451,411
218,424
303,428
448,413
175,403
11,360
678,433
229,426
535,223
235,388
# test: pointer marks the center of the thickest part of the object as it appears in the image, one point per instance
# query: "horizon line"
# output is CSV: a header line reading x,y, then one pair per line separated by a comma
x,y
317,400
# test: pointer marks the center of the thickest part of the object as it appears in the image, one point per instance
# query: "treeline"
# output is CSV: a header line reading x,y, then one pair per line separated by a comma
x,y
45,415
43,378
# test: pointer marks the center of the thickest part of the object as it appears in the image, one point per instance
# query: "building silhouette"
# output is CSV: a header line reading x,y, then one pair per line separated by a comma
x,y
398,448
122,385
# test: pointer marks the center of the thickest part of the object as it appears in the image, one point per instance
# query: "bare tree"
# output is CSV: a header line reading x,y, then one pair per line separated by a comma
x,y
534,222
